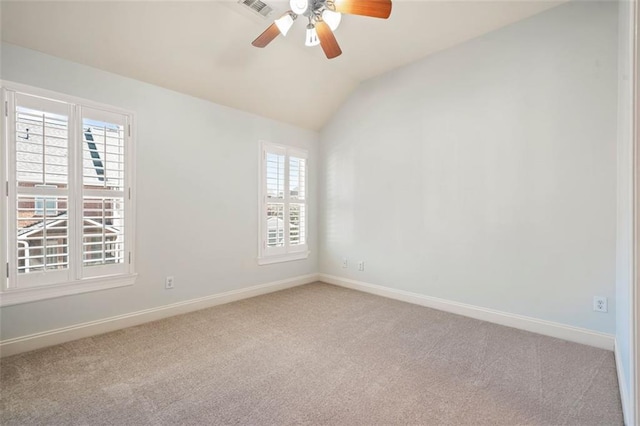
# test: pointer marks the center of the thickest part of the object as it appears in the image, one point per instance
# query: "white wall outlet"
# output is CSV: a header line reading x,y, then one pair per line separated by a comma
x,y
168,283
361,265
345,262
600,304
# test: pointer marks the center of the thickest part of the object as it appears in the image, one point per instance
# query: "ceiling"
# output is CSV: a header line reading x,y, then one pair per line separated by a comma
x,y
203,48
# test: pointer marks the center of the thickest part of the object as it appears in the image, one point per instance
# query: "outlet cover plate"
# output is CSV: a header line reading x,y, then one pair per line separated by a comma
x,y
168,283
600,304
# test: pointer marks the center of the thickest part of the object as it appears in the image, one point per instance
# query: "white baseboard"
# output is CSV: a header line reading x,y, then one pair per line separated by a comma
x,y
547,328
53,337
61,335
622,384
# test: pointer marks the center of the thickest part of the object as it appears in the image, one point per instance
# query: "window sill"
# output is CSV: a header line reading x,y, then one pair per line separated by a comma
x,y
268,260
25,295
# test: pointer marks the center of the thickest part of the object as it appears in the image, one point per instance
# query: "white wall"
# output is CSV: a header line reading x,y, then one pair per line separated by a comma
x,y
197,165
485,174
625,249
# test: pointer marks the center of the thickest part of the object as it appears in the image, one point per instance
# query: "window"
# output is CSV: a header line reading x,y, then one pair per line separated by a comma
x,y
283,204
46,206
69,208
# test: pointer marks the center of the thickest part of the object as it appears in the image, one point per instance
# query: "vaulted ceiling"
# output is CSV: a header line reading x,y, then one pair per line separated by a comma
x,y
203,48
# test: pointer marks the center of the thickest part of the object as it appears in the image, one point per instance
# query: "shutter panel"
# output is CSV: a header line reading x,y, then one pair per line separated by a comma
x,y
275,225
297,222
297,207
41,149
104,245
274,204
275,175
297,178
102,231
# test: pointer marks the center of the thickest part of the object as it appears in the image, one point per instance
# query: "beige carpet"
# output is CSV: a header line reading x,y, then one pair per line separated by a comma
x,y
315,354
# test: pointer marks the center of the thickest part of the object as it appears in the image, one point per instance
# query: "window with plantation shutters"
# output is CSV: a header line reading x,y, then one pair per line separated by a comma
x,y
68,196
283,204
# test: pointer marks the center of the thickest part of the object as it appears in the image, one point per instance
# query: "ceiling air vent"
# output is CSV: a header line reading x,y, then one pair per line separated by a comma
x,y
258,7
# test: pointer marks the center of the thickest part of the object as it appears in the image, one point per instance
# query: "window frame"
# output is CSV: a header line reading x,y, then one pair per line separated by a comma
x,y
75,282
287,253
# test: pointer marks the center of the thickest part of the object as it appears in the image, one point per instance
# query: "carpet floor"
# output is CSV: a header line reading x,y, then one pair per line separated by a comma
x,y
315,354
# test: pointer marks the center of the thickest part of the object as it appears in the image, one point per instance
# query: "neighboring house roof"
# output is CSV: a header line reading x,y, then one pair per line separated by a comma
x,y
29,156
53,221
39,224
29,152
95,154
274,223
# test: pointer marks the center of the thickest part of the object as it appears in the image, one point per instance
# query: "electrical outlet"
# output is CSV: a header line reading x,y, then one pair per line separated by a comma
x,y
345,262
361,265
168,283
600,304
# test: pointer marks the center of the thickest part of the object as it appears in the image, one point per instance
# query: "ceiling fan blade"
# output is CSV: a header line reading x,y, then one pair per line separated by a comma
x,y
372,8
267,36
328,41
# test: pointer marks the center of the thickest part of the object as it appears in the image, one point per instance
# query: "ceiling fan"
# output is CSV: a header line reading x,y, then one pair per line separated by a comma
x,y
324,17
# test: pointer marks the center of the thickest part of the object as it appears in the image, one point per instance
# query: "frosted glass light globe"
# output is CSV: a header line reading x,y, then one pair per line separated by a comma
x,y
284,24
312,37
331,18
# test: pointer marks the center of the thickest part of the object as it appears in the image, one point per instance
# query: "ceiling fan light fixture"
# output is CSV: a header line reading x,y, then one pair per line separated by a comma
x,y
324,18
284,23
299,7
312,36
332,18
